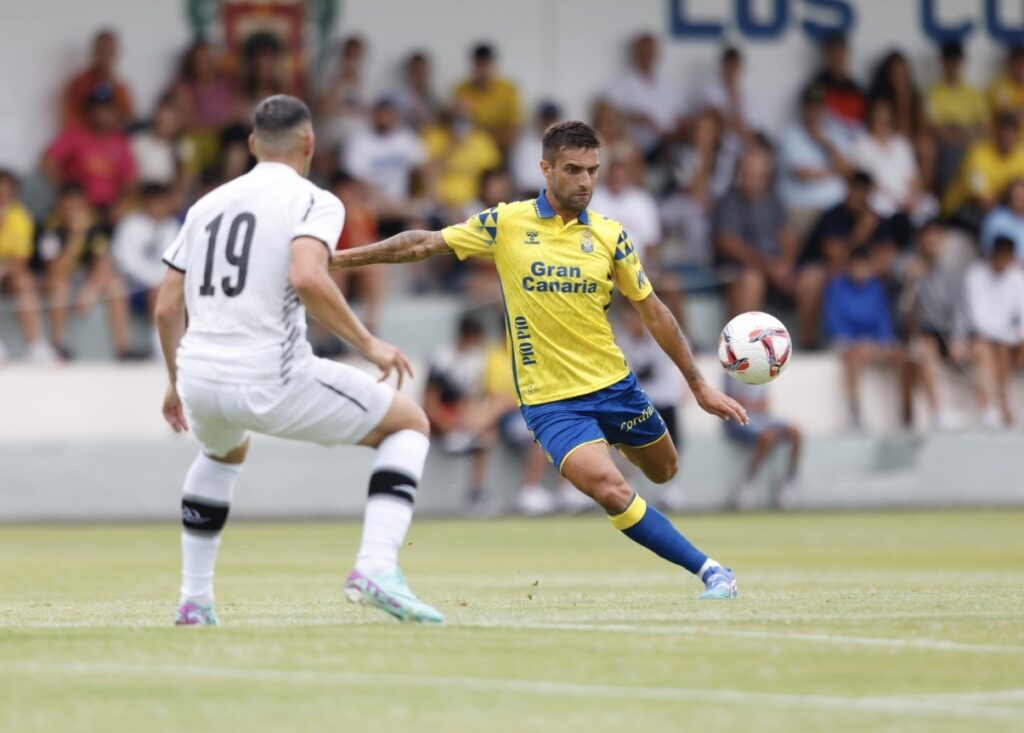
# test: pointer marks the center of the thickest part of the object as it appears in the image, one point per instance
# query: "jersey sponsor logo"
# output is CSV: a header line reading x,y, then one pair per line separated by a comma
x,y
628,425
587,242
524,344
545,278
532,237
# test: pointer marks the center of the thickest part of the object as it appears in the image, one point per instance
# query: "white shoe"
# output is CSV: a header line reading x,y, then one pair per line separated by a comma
x,y
744,497
573,501
947,420
40,352
534,501
991,419
785,494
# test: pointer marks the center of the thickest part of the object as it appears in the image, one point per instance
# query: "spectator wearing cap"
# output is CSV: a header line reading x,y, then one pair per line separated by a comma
x,y
16,245
386,156
492,102
957,113
97,157
526,154
994,295
991,164
1007,220
813,161
1007,92
101,71
725,93
651,107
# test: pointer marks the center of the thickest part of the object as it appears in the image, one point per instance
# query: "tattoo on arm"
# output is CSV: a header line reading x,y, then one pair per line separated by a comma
x,y
411,246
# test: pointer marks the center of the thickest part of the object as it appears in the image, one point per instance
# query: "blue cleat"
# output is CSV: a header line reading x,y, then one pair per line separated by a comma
x,y
719,584
390,593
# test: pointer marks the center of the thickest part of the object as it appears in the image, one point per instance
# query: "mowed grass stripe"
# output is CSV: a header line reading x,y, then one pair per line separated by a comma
x,y
939,706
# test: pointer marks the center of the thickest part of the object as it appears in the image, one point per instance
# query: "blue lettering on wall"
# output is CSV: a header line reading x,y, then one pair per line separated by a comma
x,y
685,27
938,32
841,23
996,29
751,27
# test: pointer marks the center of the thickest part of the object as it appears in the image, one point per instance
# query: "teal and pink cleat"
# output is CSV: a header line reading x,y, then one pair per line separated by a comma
x,y
191,613
719,584
390,593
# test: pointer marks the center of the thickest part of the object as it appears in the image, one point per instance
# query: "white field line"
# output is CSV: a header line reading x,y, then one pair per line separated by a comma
x,y
979,696
712,630
784,701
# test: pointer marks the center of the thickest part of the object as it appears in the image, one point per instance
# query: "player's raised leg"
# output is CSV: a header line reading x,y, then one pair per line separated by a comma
x,y
402,442
590,468
205,503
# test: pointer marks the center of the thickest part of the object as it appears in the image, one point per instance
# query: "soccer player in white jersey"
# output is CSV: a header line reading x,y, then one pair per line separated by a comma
x,y
252,255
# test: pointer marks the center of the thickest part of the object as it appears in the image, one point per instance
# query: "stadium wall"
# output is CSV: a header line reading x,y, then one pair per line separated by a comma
x,y
561,49
87,443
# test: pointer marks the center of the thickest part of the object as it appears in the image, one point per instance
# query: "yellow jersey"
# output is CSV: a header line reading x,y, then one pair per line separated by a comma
x,y
984,173
16,233
493,107
557,280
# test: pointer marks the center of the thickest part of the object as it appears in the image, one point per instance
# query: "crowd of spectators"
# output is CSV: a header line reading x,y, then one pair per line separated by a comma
x,y
887,218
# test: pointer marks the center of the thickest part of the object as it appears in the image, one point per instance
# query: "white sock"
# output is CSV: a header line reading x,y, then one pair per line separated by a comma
x,y
206,496
397,470
708,564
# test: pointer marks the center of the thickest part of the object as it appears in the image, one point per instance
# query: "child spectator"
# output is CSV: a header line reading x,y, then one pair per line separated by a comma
x,y
16,236
762,433
994,295
931,305
844,99
858,321
206,101
74,246
163,155
96,157
140,240
1007,220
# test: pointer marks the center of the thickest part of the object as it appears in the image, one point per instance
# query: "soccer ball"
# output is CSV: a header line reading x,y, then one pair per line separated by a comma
x,y
754,347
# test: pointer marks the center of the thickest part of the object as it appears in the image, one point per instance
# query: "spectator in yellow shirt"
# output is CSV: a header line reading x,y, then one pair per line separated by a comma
x,y
989,167
459,153
957,112
493,102
1007,93
16,237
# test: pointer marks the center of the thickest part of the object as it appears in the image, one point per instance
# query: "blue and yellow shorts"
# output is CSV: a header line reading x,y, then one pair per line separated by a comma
x,y
619,414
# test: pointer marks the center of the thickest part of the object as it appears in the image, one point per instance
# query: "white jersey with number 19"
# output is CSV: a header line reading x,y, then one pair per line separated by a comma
x,y
245,321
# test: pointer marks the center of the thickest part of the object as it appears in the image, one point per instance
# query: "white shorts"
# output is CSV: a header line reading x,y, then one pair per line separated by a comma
x,y
324,402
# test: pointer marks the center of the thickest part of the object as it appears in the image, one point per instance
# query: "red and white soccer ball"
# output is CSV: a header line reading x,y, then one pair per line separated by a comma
x,y
754,347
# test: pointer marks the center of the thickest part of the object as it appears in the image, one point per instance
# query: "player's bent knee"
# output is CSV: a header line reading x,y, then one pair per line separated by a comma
x,y
609,490
663,472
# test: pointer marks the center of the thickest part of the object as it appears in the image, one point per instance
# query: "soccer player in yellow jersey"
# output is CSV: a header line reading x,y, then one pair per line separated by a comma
x,y
558,263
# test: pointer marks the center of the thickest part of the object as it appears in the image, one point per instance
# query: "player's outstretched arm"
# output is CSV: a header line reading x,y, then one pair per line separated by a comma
x,y
319,293
663,326
411,246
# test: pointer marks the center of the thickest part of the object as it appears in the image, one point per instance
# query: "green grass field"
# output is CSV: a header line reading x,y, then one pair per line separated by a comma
x,y
846,622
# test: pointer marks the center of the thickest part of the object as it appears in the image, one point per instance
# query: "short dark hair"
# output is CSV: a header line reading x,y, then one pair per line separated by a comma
x,y
1003,245
71,188
8,175
731,54
834,40
569,135
470,326
861,178
860,254
153,189
483,52
1015,51
280,113
952,49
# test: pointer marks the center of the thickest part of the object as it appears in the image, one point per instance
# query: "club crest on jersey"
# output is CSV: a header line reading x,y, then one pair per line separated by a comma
x,y
532,237
587,242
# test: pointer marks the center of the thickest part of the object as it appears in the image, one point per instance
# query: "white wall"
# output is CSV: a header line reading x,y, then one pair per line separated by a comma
x,y
565,49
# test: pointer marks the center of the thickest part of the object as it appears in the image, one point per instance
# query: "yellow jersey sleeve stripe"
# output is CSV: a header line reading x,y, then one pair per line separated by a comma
x,y
633,514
